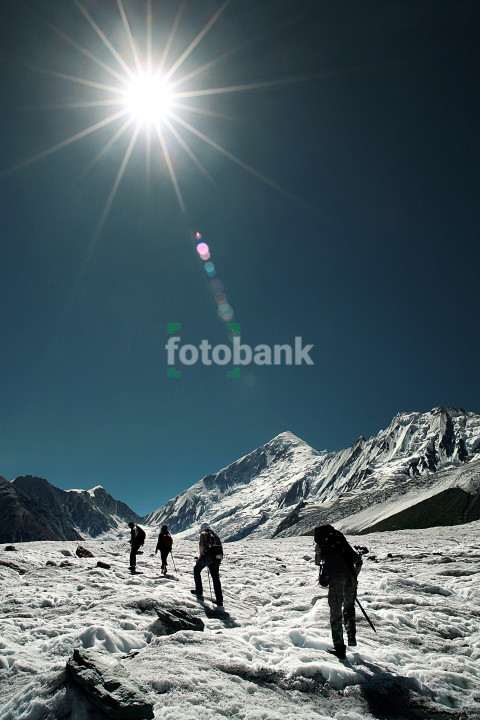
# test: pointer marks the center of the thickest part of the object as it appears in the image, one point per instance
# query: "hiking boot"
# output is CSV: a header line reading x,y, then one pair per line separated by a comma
x,y
339,651
198,594
352,641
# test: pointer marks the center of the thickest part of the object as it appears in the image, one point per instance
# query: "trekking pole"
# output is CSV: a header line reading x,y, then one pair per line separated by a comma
x,y
173,561
209,583
365,615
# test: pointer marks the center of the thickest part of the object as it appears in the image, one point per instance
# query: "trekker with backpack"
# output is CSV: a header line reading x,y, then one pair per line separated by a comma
x,y
164,544
339,568
137,538
210,555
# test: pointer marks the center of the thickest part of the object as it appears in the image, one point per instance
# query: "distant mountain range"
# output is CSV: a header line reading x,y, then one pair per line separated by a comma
x,y
421,471
33,509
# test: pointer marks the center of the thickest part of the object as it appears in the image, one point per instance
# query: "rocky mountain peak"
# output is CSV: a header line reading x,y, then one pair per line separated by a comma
x,y
286,438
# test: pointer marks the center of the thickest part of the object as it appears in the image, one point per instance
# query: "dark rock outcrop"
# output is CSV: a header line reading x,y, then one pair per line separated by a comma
x,y
109,686
291,519
31,508
13,566
72,508
447,443
453,506
22,519
172,620
296,492
82,552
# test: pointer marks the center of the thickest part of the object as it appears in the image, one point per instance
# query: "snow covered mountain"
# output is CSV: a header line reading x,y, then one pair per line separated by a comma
x,y
33,509
421,471
286,487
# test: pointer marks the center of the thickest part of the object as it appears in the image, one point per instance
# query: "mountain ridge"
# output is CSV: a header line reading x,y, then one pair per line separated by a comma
x,y
22,519
254,495
34,509
400,476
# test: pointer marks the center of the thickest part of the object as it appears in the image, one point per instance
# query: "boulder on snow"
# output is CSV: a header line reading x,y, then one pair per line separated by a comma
x,y
109,686
67,553
83,552
12,566
174,620
104,565
10,548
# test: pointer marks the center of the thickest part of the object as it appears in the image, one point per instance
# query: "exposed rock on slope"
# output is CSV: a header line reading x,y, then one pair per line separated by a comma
x,y
109,686
33,509
22,519
93,512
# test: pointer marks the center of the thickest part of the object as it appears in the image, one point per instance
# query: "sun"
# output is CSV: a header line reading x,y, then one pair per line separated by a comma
x,y
148,98
134,92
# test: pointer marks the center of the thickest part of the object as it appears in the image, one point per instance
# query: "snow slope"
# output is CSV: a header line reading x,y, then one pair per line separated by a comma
x,y
286,487
264,658
248,496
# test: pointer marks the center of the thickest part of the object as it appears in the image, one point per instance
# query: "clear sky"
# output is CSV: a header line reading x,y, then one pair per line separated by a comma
x,y
338,194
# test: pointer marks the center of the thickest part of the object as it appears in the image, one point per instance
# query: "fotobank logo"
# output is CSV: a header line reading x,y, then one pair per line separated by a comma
x,y
237,355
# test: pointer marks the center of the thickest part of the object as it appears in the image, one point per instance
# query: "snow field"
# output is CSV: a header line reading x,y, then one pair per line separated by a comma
x,y
264,657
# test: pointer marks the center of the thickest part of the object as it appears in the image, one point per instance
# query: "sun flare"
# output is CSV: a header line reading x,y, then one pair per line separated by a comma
x,y
140,94
148,98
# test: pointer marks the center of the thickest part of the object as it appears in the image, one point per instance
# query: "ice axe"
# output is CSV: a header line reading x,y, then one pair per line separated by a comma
x,y
365,615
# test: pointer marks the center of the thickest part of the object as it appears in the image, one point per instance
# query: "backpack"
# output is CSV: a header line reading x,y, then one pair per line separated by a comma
x,y
214,544
167,540
140,535
327,537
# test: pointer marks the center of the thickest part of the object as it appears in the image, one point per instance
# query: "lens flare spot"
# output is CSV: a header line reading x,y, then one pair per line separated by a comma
x,y
220,298
203,250
226,312
216,286
210,269
198,236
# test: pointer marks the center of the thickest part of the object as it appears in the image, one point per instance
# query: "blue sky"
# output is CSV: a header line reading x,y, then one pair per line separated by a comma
x,y
363,241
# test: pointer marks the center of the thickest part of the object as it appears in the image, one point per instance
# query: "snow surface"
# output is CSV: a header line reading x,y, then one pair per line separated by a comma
x,y
262,659
93,490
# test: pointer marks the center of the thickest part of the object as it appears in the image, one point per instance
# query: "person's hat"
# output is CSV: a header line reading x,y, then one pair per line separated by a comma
x,y
204,526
